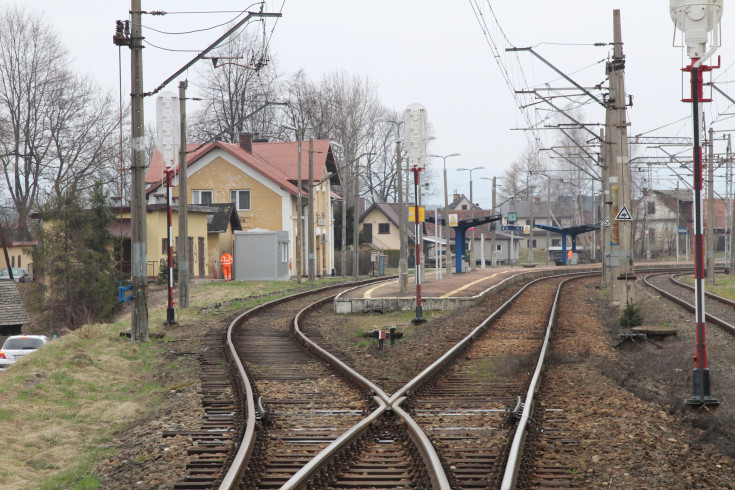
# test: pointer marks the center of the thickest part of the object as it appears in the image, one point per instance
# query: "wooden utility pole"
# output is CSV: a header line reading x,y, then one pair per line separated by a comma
x,y
344,223
403,258
494,225
621,258
139,317
711,210
299,217
312,255
356,223
183,248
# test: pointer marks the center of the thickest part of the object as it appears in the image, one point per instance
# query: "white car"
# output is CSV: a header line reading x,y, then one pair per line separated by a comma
x,y
18,346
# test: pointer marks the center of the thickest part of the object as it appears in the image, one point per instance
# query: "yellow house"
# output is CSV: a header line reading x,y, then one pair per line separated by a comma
x,y
17,255
261,180
157,237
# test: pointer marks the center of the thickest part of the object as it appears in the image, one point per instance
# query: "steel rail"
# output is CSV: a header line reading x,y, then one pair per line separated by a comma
x,y
516,449
464,343
329,453
246,445
346,370
727,327
434,467
726,301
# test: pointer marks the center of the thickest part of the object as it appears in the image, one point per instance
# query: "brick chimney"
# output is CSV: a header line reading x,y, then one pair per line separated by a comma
x,y
246,142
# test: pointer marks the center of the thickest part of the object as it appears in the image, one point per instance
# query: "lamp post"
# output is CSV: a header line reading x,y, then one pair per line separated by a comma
x,y
356,218
447,253
472,216
403,261
299,210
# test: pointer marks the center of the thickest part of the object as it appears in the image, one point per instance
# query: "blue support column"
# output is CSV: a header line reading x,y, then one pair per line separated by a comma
x,y
564,248
459,238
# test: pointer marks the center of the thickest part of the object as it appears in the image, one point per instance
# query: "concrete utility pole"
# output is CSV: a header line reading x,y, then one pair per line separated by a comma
x,y
605,203
711,210
312,255
618,192
183,248
139,316
473,266
732,213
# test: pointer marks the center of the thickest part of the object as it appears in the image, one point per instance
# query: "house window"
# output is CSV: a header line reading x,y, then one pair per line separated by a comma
x,y
383,228
12,261
652,207
498,247
164,245
241,199
201,197
464,207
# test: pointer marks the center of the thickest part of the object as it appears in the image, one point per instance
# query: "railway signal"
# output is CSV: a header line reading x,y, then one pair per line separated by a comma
x,y
700,22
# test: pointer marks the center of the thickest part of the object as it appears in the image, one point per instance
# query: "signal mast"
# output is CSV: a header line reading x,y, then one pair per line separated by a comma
x,y
700,23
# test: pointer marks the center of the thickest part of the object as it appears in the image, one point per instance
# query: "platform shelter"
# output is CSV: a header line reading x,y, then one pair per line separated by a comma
x,y
571,231
460,233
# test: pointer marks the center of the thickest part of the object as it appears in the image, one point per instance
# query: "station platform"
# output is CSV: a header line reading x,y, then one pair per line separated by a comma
x,y
446,293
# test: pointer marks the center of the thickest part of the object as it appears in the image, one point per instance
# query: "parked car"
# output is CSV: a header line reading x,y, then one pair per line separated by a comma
x,y
17,346
19,275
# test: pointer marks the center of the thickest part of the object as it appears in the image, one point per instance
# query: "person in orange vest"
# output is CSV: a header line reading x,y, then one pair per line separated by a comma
x,y
226,261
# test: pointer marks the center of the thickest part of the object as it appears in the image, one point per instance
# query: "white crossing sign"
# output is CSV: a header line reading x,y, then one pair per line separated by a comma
x,y
606,222
624,214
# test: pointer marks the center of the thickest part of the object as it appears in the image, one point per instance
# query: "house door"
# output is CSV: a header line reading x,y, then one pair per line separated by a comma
x,y
202,261
191,254
367,233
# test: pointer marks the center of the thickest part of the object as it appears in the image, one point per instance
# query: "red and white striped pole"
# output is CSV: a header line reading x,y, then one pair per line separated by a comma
x,y
170,313
419,318
701,379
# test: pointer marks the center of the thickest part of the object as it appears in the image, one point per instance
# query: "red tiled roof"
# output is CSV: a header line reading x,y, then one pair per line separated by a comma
x,y
154,175
284,156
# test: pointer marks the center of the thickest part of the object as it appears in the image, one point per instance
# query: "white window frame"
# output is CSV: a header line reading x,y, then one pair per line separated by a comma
x,y
237,199
283,247
196,195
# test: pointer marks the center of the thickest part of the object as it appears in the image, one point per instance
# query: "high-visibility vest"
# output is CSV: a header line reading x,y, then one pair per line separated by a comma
x,y
226,259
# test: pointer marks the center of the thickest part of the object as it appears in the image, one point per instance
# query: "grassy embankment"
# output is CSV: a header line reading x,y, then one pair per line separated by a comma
x,y
60,407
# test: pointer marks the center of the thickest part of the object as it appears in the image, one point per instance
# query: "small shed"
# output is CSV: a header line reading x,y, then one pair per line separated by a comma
x,y
261,256
12,312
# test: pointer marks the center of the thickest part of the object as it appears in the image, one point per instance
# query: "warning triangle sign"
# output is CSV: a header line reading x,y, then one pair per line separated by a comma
x,y
624,214
606,222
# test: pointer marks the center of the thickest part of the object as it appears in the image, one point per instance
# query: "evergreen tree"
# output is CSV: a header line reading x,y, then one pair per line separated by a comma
x,y
74,258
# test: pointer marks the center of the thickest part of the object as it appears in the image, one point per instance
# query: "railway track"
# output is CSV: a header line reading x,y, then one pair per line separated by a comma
x,y
718,310
314,429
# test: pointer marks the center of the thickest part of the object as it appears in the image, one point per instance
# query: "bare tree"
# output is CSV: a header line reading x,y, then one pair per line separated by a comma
x,y
83,127
32,63
57,129
239,81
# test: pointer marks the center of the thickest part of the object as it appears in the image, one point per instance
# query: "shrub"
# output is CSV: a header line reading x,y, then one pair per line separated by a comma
x,y
631,316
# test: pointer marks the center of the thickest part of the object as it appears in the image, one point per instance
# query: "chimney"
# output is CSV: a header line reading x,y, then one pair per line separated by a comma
x,y
246,142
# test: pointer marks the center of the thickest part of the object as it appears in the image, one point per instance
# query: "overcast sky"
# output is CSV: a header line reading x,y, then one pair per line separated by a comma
x,y
432,53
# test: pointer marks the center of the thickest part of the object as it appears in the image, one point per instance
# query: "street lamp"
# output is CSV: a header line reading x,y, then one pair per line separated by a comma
x,y
299,211
356,217
447,253
472,216
344,220
403,261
